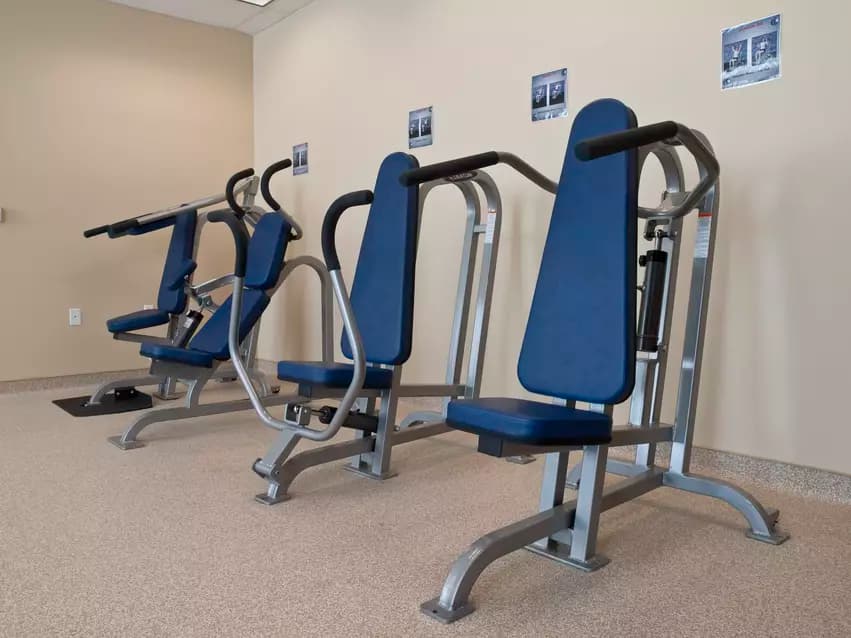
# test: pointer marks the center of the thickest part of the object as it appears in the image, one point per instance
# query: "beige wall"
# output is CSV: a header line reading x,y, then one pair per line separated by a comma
x,y
106,112
342,75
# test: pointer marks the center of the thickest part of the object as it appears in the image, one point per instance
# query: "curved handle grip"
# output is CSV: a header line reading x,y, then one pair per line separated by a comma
x,y
329,224
99,230
240,238
277,167
449,168
603,145
231,198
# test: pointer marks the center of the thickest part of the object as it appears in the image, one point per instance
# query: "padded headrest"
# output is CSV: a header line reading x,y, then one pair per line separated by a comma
x,y
580,337
180,250
383,285
266,251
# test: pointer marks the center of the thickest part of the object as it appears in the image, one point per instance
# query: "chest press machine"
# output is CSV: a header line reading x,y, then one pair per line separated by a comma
x,y
582,345
176,291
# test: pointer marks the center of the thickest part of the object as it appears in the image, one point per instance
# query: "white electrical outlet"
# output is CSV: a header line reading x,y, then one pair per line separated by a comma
x,y
148,306
75,317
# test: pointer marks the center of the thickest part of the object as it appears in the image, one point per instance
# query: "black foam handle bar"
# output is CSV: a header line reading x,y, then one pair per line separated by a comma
x,y
449,168
329,224
92,232
119,228
603,145
277,167
232,182
240,238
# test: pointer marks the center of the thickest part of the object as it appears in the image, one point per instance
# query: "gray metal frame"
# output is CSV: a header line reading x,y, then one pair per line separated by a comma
x,y
197,378
567,531
370,454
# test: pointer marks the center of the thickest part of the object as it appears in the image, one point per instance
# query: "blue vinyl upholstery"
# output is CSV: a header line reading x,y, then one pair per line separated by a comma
x,y
265,260
334,375
531,422
383,286
138,321
180,250
580,336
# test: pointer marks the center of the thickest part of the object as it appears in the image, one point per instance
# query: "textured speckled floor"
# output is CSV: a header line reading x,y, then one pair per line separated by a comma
x,y
167,541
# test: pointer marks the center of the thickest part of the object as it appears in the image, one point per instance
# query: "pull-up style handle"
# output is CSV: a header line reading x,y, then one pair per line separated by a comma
x,y
277,167
240,238
329,224
463,165
629,139
449,168
238,210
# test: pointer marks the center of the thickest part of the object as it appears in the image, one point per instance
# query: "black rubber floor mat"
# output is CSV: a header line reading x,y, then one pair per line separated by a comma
x,y
77,406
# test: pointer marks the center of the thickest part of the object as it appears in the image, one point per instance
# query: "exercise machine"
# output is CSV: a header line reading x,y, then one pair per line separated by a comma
x,y
382,301
588,343
175,293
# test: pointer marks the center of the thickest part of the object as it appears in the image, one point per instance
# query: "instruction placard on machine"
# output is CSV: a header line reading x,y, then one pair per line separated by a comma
x,y
300,159
421,127
549,95
750,53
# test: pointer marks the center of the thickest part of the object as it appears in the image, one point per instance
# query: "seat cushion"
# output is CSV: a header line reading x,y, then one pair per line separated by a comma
x,y
174,354
137,321
531,422
332,375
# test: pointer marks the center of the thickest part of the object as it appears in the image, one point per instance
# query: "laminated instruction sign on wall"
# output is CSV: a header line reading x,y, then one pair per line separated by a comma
x,y
549,95
750,53
300,159
420,127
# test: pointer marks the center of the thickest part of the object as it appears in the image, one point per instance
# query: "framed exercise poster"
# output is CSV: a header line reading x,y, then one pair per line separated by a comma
x,y
421,127
300,159
549,95
750,53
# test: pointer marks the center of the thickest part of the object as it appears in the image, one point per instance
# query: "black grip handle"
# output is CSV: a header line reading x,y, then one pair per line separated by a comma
x,y
449,168
238,210
329,224
92,232
240,237
277,167
119,228
603,145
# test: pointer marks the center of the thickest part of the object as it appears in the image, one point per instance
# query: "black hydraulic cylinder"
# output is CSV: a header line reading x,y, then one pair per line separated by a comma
x,y
655,264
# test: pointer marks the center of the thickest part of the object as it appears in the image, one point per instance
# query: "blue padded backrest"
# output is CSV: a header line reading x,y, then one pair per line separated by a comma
x,y
213,335
265,259
580,337
266,251
180,249
383,286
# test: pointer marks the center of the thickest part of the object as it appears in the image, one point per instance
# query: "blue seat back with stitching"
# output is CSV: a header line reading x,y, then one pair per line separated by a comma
x,y
383,286
580,337
180,249
265,259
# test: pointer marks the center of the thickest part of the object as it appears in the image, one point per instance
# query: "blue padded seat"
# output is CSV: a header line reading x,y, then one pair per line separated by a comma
x,y
531,422
333,375
265,260
579,343
138,320
174,354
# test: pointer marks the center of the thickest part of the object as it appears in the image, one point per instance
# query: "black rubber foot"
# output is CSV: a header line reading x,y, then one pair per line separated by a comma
x,y
79,406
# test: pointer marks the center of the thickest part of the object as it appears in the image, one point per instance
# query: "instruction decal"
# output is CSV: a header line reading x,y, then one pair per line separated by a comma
x,y
549,95
300,159
750,53
421,127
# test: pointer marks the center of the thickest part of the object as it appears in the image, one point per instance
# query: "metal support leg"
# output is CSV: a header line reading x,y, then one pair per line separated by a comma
x,y
269,467
763,522
282,475
583,545
454,601
106,388
377,464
